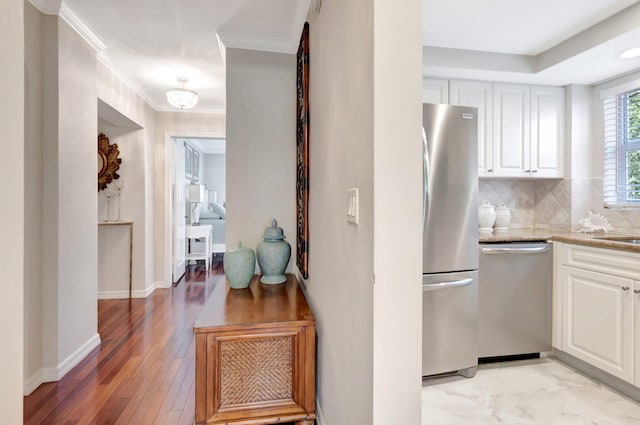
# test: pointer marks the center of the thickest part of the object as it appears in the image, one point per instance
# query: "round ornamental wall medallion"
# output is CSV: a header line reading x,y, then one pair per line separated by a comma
x,y
108,162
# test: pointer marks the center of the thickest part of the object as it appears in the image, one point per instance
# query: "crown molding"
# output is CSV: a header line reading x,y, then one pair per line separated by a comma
x,y
300,15
81,28
223,49
47,7
136,88
236,40
315,6
263,43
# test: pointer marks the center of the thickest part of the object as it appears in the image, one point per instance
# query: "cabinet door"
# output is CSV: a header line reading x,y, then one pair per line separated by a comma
x,y
598,320
547,132
477,94
511,121
435,91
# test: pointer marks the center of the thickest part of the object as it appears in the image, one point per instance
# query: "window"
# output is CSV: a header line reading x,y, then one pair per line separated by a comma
x,y
622,150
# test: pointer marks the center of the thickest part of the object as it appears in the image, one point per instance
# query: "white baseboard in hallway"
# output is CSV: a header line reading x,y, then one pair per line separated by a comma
x,y
117,295
33,382
50,374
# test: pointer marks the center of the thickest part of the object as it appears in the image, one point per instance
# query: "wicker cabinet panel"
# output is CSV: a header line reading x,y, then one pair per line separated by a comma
x,y
256,371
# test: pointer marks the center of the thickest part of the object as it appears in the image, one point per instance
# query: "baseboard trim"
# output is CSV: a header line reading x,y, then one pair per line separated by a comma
x,y
319,416
599,375
32,383
53,374
162,285
116,295
77,356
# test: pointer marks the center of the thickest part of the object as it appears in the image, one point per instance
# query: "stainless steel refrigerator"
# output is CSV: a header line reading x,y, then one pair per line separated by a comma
x,y
450,240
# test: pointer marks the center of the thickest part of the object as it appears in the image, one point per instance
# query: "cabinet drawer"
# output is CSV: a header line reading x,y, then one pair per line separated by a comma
x,y
619,263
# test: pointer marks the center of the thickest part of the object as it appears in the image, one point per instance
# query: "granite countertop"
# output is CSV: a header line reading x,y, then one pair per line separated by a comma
x,y
562,235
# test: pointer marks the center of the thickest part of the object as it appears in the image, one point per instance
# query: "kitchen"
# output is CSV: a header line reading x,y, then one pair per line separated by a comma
x,y
554,305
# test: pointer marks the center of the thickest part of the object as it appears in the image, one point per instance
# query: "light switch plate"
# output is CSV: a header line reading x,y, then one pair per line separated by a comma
x,y
353,207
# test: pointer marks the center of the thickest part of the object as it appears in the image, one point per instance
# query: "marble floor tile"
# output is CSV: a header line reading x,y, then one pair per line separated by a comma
x,y
532,392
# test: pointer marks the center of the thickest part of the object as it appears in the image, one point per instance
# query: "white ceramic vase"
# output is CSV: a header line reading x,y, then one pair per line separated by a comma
x,y
486,216
503,218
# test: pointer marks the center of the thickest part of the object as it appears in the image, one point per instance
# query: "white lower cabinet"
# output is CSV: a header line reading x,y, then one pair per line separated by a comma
x,y
597,300
598,315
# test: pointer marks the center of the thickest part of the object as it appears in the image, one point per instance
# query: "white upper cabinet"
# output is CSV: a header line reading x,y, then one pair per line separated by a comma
x,y
520,127
435,91
511,130
477,94
547,131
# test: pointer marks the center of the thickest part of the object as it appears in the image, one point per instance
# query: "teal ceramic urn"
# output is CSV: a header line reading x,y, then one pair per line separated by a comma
x,y
239,265
273,255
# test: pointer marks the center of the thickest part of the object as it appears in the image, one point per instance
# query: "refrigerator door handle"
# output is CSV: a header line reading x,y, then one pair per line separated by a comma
x,y
425,175
536,250
446,285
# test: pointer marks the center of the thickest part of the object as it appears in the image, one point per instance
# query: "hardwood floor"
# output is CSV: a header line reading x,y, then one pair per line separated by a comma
x,y
143,372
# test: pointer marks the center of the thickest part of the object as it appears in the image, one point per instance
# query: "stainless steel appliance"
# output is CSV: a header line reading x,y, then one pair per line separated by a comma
x,y
515,299
450,240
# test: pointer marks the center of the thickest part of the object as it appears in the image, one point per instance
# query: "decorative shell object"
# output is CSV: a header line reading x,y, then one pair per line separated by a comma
x,y
486,217
595,223
239,265
273,255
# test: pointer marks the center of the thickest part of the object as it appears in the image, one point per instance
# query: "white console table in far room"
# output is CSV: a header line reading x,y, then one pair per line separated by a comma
x,y
130,224
203,231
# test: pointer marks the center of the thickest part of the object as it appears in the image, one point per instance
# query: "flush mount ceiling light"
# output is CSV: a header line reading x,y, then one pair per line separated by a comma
x,y
182,97
634,52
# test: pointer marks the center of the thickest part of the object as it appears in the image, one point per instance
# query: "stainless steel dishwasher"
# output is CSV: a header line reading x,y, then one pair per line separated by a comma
x,y
514,306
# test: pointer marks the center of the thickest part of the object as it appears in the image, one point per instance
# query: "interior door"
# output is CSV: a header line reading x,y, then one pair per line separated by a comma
x,y
178,210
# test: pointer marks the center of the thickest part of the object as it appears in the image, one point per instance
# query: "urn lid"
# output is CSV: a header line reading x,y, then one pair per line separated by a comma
x,y
273,233
240,248
502,207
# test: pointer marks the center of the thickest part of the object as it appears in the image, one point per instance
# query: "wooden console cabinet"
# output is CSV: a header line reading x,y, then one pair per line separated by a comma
x,y
255,356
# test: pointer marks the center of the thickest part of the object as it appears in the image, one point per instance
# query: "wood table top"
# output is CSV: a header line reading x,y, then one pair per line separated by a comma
x,y
259,304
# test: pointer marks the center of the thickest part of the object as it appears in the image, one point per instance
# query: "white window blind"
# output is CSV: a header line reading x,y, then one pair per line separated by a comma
x,y
622,150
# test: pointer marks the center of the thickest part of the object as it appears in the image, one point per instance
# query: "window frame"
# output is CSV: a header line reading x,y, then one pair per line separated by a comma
x,y
617,194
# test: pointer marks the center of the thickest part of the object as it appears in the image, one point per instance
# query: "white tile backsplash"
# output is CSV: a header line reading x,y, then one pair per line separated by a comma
x,y
518,195
554,202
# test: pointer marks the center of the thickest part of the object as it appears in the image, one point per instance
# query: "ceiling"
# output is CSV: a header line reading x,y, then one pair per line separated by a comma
x,y
542,41
149,45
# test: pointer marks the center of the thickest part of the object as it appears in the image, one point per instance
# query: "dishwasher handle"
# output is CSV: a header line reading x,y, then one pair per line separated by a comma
x,y
530,250
446,285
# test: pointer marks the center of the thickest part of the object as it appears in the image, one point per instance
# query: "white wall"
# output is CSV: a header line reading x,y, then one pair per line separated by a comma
x,y
33,270
177,124
365,116
397,165
114,240
69,199
214,169
340,284
261,145
134,131
77,194
12,215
